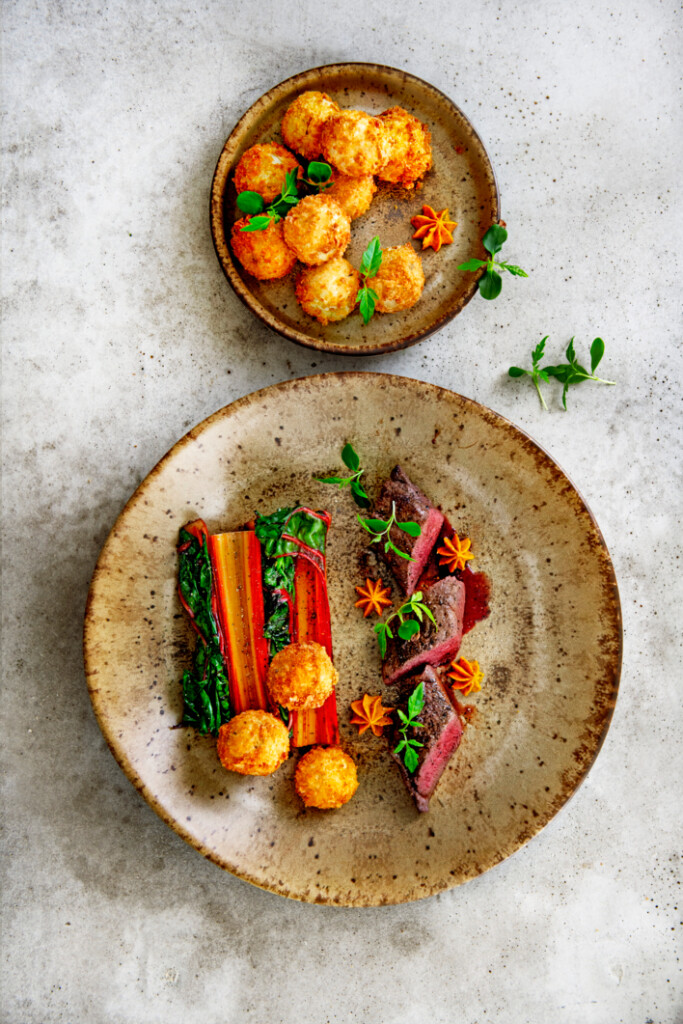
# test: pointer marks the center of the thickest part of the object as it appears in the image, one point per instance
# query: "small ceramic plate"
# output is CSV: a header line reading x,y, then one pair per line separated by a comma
x,y
461,179
551,648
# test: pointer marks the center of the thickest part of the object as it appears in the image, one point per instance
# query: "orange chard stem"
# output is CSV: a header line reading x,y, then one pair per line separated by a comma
x,y
236,564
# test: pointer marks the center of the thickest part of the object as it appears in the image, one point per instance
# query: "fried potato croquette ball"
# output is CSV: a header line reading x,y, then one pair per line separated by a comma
x,y
317,229
325,777
303,122
301,676
253,743
328,292
263,254
355,143
263,169
399,280
410,148
354,195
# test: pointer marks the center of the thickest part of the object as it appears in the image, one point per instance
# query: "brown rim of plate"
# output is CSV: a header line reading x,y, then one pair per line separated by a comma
x,y
216,213
91,669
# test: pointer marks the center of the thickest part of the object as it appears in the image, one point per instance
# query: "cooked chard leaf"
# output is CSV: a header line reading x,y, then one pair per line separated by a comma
x,y
206,693
277,571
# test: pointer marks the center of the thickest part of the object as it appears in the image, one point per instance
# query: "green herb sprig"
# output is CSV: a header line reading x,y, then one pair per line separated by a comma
x,y
379,529
351,460
318,176
409,745
491,283
367,297
262,217
407,627
536,373
568,374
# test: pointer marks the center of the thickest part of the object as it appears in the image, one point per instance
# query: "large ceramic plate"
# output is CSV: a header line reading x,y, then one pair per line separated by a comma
x,y
551,648
461,179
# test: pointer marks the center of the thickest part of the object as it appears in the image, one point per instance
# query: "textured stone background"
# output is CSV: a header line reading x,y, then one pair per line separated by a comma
x,y
120,332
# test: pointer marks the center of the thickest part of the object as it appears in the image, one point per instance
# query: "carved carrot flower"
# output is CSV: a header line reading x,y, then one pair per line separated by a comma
x,y
435,229
455,552
466,676
373,597
369,713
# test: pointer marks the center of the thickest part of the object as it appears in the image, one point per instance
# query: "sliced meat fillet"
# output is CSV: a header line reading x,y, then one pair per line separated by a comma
x,y
440,736
434,644
411,506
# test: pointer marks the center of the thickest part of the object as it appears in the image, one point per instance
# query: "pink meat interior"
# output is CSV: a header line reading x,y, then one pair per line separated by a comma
x,y
438,757
422,548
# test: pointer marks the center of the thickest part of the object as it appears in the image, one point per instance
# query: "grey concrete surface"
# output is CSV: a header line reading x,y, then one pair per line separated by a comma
x,y
120,332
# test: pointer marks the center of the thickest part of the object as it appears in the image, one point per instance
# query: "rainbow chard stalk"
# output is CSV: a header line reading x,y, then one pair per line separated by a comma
x,y
236,565
293,542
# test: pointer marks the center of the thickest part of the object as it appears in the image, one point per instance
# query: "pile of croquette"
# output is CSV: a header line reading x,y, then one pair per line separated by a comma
x,y
300,678
393,147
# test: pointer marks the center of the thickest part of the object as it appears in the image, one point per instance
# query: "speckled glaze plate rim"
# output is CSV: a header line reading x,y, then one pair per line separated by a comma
x,y
347,378
216,213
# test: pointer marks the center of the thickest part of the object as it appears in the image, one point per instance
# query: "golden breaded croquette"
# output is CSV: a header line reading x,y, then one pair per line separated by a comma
x,y
301,676
354,195
355,143
253,743
317,229
263,254
328,292
303,122
399,280
410,148
263,169
326,778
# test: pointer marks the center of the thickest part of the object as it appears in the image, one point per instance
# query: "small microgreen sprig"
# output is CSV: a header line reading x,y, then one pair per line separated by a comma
x,y
536,373
408,745
573,373
370,264
261,217
568,373
351,460
491,283
407,627
318,176
379,529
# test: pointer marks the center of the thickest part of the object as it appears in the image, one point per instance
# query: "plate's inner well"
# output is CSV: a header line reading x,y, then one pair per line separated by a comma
x,y
550,649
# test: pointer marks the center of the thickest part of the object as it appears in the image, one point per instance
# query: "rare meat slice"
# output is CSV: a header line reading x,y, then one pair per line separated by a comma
x,y
411,506
434,644
441,734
